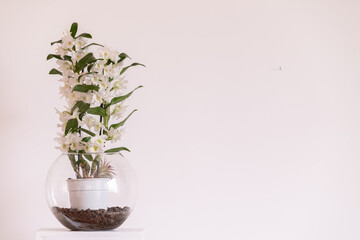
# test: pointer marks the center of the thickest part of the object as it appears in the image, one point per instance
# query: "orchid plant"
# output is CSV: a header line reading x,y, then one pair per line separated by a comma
x,y
94,87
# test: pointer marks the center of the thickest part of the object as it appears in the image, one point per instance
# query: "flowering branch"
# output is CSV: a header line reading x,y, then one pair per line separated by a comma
x,y
94,88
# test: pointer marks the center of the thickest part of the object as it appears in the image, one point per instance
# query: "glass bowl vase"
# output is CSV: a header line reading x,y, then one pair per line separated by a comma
x,y
91,191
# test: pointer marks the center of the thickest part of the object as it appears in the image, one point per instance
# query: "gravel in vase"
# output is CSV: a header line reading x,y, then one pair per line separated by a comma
x,y
91,220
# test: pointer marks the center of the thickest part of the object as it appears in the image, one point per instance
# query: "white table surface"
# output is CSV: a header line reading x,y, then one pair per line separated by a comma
x,y
65,234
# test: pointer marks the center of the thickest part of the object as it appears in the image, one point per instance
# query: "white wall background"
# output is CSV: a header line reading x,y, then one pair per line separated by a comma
x,y
225,145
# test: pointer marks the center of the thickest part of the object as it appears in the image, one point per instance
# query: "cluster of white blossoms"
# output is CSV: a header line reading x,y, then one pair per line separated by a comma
x,y
94,87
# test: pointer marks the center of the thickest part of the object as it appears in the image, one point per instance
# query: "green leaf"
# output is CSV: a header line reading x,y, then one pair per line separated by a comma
x,y
89,67
115,150
85,35
120,124
116,100
108,62
50,56
82,106
73,161
132,65
91,44
85,88
122,56
58,41
71,125
87,131
89,157
87,59
81,115
86,139
95,164
97,111
67,58
73,29
55,71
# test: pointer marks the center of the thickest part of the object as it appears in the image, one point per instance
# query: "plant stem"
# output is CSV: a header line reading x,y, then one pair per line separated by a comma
x,y
102,106
107,118
79,159
78,172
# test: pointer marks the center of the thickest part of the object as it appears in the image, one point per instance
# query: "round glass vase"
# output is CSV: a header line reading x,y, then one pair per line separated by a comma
x,y
91,191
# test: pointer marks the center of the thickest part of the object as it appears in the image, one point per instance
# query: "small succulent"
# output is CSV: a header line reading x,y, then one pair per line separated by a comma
x,y
105,170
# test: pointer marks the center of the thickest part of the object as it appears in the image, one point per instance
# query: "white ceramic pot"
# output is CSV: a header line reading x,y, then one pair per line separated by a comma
x,y
89,193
